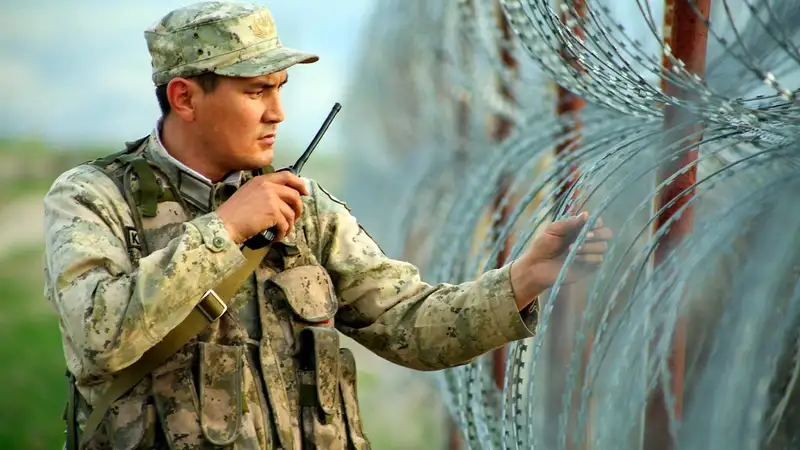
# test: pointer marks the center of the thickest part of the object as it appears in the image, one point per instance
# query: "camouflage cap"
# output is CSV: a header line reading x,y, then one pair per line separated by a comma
x,y
227,38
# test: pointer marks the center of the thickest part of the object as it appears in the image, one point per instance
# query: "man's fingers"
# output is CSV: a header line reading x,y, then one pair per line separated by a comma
x,y
297,184
288,213
589,259
590,248
283,227
288,179
292,198
599,234
569,226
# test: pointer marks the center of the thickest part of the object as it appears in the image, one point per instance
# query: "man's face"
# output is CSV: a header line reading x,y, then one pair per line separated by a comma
x,y
238,120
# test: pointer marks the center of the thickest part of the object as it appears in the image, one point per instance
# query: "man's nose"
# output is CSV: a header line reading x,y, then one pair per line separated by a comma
x,y
274,112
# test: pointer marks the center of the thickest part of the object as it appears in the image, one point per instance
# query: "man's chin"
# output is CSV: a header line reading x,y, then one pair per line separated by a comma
x,y
252,164
261,159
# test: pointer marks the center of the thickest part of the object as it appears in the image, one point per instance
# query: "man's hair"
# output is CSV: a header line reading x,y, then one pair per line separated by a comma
x,y
207,81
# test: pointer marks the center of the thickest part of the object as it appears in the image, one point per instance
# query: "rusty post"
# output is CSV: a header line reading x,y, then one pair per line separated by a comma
x,y
687,36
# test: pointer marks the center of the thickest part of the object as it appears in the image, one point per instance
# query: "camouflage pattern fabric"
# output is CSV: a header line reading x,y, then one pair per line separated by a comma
x,y
233,39
327,274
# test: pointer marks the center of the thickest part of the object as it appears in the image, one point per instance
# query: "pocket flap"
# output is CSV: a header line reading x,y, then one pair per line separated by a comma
x,y
320,352
308,291
220,392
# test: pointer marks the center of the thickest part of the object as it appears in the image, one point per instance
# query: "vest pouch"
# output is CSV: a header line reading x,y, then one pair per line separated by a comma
x,y
206,409
221,392
355,430
176,400
318,386
308,292
130,422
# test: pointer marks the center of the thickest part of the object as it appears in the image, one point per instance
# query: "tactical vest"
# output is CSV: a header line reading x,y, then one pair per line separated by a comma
x,y
285,384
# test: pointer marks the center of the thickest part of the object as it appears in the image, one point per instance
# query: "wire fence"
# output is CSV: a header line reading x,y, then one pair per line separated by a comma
x,y
674,121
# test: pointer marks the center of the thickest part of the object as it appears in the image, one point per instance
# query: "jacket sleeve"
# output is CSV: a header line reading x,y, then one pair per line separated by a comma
x,y
385,306
111,311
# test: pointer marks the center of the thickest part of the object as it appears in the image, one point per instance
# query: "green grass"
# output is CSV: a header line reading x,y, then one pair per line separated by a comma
x,y
32,382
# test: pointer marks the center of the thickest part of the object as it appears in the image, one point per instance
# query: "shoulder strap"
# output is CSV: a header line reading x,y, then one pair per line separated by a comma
x,y
211,307
105,163
117,167
149,189
130,147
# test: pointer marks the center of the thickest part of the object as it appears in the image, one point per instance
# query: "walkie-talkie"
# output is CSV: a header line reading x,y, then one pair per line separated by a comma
x,y
265,238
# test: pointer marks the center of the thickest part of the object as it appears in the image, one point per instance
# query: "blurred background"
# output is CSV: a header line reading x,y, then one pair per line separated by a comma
x,y
75,84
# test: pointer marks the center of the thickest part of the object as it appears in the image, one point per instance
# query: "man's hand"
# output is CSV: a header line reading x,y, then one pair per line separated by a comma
x,y
265,201
538,268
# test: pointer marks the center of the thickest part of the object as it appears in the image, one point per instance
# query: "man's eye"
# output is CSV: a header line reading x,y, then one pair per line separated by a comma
x,y
255,93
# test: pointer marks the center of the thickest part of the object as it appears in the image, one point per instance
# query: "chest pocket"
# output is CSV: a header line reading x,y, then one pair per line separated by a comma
x,y
308,292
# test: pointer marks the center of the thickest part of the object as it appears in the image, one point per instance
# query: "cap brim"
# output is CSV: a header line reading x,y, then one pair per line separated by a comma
x,y
275,60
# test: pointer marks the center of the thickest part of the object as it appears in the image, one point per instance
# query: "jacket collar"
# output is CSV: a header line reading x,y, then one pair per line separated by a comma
x,y
196,189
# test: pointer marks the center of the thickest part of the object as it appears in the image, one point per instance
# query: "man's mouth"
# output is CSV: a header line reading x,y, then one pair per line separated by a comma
x,y
267,139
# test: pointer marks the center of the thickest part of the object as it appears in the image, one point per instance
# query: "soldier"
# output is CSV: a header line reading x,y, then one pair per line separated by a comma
x,y
178,336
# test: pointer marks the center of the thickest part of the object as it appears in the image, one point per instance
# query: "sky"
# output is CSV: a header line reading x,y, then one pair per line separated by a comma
x,y
79,72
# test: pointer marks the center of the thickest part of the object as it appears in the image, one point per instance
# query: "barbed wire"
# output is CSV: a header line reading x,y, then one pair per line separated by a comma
x,y
490,119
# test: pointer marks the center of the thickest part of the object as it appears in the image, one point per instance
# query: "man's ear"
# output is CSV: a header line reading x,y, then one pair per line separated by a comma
x,y
183,95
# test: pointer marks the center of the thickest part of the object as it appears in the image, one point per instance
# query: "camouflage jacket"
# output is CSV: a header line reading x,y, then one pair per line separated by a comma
x,y
243,383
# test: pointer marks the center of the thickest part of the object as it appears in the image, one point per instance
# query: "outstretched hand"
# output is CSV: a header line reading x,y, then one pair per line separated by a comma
x,y
538,268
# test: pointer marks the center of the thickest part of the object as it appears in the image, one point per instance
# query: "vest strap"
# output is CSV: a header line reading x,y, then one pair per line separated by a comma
x,y
149,189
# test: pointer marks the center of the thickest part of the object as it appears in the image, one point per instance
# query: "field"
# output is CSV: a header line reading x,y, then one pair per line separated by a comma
x,y
400,407
32,382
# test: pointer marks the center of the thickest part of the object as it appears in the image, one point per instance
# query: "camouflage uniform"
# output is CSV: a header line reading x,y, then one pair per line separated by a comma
x,y
133,242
